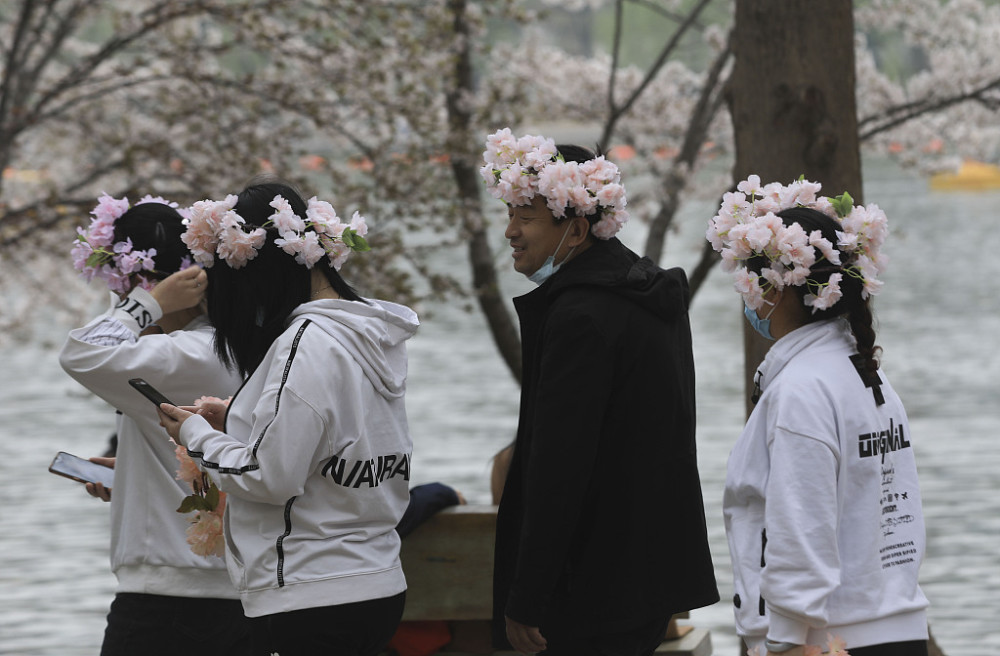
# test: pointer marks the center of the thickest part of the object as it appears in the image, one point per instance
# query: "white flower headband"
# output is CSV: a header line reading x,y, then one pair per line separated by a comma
x,y
215,228
747,227
96,255
518,169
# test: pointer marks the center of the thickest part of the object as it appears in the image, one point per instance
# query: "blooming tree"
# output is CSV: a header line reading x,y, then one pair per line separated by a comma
x,y
383,107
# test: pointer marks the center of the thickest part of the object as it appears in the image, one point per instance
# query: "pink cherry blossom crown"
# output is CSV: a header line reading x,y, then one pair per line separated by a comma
x,y
216,229
747,227
518,169
96,254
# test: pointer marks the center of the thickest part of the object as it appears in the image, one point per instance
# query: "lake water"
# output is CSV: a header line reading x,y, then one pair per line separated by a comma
x,y
939,320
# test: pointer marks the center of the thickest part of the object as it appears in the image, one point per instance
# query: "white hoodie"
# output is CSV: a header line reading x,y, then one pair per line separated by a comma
x,y
315,459
822,503
149,552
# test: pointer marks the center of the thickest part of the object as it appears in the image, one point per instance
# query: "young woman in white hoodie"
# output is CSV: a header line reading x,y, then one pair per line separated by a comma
x,y
169,599
314,450
822,502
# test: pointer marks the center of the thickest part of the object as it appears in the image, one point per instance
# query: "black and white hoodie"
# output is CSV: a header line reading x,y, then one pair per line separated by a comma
x,y
316,460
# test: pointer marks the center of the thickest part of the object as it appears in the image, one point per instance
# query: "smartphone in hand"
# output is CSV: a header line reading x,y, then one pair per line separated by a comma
x,y
79,469
149,392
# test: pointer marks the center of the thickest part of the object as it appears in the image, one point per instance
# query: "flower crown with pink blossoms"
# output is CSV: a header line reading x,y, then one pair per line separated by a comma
x,y
747,227
518,169
97,255
216,229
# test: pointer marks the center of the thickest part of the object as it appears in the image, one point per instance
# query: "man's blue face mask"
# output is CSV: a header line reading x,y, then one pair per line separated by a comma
x,y
762,326
549,267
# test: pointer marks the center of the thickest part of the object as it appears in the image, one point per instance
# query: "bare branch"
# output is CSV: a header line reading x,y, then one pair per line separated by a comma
x,y
615,54
899,114
663,11
617,112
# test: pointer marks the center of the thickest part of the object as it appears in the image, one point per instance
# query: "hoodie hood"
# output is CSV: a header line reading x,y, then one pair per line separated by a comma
x,y
609,264
373,332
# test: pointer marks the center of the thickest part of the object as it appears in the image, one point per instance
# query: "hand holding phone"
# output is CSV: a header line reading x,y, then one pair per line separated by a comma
x,y
82,470
149,392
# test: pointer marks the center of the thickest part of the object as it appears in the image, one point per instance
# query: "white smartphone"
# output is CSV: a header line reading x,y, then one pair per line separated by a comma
x,y
80,469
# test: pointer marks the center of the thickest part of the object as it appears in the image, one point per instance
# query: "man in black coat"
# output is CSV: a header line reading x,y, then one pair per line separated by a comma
x,y
601,531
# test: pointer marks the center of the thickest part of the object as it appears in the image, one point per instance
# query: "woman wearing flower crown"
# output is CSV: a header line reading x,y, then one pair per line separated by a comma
x,y
822,502
155,329
314,450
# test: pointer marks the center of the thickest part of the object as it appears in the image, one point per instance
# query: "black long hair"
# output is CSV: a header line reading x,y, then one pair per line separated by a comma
x,y
249,306
851,304
158,226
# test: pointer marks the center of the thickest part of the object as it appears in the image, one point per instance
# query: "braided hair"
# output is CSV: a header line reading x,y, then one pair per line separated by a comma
x,y
852,305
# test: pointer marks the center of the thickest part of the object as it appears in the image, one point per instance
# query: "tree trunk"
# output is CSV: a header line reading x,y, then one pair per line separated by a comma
x,y
464,166
791,98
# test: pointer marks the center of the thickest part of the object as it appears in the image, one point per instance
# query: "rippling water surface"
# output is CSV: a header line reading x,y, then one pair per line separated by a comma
x,y
939,324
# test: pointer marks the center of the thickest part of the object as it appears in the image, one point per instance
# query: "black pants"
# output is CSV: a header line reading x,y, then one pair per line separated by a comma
x,y
641,641
156,625
359,629
911,648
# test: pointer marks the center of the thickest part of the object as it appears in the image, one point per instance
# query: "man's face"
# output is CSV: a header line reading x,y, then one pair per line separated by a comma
x,y
534,235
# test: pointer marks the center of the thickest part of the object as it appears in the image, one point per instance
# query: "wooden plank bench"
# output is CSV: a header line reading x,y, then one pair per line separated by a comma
x,y
448,561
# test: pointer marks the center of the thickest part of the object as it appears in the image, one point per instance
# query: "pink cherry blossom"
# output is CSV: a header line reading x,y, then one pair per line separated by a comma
x,y
828,294
750,186
237,247
824,246
284,219
110,209
729,260
605,228
80,252
205,535
793,244
358,224
311,250
188,470
338,255
321,215
773,277
156,199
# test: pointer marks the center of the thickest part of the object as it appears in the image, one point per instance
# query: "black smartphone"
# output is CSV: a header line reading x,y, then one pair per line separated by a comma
x,y
80,469
149,391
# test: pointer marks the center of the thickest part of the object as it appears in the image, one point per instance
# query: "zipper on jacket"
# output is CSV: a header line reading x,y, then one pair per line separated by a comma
x,y
281,539
763,545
